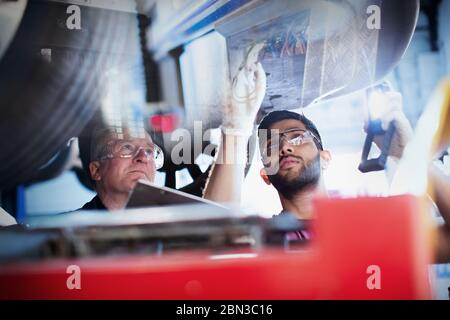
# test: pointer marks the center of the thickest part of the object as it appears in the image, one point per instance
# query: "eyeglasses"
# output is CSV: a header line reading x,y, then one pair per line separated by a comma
x,y
127,149
294,137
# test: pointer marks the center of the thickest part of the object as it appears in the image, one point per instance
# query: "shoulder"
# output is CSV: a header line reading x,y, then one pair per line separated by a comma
x,y
94,204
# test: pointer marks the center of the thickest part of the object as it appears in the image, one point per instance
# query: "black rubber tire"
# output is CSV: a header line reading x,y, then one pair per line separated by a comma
x,y
44,104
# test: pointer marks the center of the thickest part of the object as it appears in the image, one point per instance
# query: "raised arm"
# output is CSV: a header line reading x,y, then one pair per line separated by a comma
x,y
247,93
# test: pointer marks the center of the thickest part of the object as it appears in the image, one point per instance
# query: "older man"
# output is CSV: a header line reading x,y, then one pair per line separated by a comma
x,y
118,160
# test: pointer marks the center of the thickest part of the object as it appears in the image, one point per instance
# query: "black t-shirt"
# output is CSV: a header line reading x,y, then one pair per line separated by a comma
x,y
94,204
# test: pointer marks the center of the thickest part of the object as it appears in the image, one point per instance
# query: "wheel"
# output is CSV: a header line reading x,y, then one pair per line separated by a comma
x,y
51,82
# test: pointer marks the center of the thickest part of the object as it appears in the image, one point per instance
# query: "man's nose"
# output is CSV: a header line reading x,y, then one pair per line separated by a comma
x,y
141,156
285,147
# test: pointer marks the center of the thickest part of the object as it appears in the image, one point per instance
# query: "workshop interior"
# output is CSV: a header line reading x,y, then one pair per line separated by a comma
x,y
166,69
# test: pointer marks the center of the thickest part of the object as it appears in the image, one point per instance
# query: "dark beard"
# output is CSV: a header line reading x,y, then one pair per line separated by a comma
x,y
308,177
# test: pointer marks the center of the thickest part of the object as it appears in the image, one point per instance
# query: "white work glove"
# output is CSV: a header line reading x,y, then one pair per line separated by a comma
x,y
392,111
247,93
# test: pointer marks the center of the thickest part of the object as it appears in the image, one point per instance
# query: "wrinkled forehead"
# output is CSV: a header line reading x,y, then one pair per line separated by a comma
x,y
138,140
106,136
126,134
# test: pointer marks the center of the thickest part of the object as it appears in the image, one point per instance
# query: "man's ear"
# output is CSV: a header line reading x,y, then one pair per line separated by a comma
x,y
94,170
325,158
264,176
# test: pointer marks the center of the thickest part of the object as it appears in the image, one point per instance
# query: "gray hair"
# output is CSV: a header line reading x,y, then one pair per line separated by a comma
x,y
100,138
